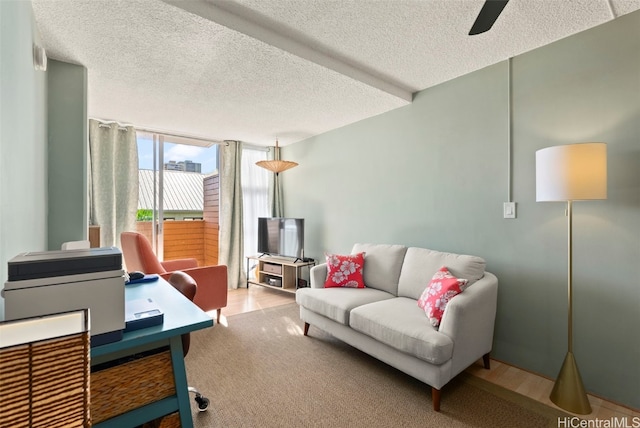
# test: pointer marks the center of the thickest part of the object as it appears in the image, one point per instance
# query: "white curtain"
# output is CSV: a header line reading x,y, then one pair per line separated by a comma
x,y
231,217
113,179
255,191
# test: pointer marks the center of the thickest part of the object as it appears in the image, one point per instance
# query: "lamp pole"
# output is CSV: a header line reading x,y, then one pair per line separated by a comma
x,y
568,391
570,275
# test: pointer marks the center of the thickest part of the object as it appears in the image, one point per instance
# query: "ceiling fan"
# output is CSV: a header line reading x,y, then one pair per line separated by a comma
x,y
487,16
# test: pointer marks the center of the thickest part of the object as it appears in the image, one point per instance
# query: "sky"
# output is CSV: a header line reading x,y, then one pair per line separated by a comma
x,y
207,156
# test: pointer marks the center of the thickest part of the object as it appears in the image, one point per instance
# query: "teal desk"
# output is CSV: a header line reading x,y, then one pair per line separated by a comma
x,y
180,316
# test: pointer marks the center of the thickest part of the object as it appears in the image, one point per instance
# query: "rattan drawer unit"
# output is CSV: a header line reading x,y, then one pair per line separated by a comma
x,y
170,421
121,388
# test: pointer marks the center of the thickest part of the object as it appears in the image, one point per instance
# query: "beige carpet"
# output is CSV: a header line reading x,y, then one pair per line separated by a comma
x,y
261,371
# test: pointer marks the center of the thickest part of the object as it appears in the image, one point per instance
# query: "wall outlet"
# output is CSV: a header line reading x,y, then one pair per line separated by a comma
x,y
509,210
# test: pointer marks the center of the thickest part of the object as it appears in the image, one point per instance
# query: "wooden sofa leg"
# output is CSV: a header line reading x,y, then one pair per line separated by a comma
x,y
306,328
487,361
218,314
435,397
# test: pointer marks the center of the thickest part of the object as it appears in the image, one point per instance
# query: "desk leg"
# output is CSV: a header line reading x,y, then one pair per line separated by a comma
x,y
180,378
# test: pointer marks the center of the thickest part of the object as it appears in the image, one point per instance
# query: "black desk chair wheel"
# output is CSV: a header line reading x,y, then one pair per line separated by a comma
x,y
186,285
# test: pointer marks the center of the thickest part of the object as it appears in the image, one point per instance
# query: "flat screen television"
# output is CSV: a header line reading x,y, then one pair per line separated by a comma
x,y
279,236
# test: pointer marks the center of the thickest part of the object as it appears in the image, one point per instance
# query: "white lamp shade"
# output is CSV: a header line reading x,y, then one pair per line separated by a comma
x,y
572,172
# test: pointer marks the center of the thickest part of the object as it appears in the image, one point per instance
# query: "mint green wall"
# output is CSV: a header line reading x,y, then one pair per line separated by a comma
x,y
23,122
434,174
67,152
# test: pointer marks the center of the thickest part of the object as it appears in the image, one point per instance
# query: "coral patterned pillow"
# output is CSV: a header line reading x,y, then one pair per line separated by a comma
x,y
442,288
345,271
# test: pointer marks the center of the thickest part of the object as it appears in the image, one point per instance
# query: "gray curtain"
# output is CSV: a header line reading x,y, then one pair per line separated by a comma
x,y
113,179
231,228
276,202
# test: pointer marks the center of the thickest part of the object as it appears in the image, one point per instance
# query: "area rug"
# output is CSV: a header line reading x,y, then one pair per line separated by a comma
x,y
261,371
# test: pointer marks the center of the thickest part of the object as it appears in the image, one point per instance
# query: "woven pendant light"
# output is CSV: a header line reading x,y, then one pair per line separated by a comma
x,y
277,165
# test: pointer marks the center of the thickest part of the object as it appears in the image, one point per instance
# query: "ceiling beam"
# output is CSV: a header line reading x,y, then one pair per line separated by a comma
x,y
236,20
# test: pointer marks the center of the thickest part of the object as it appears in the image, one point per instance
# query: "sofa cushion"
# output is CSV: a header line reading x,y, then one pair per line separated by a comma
x,y
401,324
442,288
337,303
382,265
421,264
345,271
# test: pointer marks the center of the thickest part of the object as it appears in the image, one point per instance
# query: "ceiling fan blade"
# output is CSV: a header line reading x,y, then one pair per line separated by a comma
x,y
487,16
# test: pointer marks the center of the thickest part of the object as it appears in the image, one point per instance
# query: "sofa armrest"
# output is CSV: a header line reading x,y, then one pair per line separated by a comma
x,y
179,264
318,275
469,320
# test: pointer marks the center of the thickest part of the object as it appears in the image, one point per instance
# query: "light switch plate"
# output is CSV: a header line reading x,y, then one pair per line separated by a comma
x,y
509,210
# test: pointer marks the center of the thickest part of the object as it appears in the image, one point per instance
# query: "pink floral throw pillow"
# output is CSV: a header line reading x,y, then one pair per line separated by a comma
x,y
345,271
442,288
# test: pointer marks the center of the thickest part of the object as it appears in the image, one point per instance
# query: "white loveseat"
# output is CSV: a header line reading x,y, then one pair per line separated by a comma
x,y
384,319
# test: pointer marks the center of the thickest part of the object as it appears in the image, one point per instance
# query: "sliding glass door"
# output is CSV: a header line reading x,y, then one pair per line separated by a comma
x,y
171,173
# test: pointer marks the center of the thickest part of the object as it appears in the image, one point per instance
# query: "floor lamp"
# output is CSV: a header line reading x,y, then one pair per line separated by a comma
x,y
570,173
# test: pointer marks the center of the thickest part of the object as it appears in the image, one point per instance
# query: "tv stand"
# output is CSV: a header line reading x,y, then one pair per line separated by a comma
x,y
277,272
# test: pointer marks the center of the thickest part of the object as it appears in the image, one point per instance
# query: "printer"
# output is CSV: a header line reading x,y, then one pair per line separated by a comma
x,y
49,282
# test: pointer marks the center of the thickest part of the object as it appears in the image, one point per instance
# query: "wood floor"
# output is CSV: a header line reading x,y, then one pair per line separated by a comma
x,y
512,378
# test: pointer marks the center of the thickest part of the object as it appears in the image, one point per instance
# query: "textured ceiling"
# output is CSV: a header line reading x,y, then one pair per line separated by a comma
x,y
252,70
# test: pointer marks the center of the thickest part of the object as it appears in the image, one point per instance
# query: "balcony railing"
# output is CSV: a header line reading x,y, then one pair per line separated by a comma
x,y
186,239
196,239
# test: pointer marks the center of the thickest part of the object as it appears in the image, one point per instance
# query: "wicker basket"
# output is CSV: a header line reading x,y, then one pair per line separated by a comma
x,y
171,421
45,384
119,389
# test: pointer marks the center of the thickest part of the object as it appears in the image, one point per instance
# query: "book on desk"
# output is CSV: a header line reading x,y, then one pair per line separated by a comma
x,y
142,313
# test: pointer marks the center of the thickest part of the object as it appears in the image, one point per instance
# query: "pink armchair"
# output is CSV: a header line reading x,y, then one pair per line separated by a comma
x,y
211,280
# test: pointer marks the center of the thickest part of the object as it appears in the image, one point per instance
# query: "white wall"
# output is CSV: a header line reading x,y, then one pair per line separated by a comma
x,y
434,174
23,124
68,148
